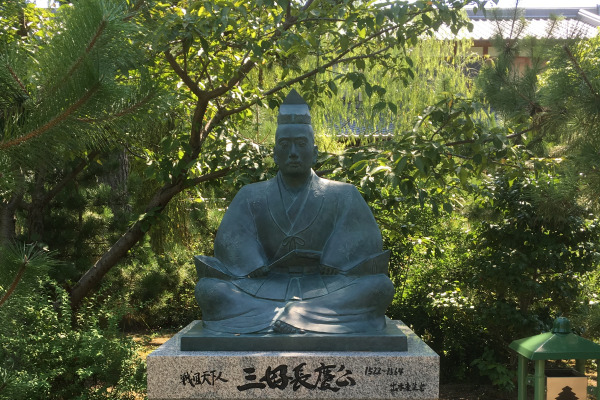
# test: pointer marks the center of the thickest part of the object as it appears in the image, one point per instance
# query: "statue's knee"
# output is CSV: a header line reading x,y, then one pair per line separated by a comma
x,y
387,287
380,287
209,291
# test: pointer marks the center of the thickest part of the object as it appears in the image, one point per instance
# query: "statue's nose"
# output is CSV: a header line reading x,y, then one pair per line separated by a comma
x,y
293,151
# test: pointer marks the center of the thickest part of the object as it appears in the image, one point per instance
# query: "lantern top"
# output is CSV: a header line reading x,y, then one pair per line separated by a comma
x,y
560,344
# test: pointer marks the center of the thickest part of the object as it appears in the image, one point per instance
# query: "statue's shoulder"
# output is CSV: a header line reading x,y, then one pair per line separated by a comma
x,y
336,187
253,190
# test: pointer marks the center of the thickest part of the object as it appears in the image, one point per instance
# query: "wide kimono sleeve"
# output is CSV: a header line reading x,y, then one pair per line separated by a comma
x,y
237,247
356,238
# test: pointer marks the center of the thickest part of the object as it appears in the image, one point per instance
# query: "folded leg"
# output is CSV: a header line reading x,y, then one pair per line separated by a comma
x,y
225,308
359,307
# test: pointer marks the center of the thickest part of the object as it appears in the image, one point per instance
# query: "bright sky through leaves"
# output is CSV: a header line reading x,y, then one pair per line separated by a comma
x,y
502,3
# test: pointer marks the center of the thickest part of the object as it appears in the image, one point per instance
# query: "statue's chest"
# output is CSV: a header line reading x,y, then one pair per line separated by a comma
x,y
309,229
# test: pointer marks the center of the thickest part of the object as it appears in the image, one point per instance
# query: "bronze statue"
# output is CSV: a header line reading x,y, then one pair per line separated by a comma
x,y
296,253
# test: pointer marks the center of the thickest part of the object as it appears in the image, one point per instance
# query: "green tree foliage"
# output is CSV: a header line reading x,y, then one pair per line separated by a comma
x,y
470,287
75,90
72,89
452,142
554,101
533,247
569,88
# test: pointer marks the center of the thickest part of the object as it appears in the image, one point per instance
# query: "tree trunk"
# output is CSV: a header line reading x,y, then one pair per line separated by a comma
x,y
117,178
94,275
134,234
7,218
35,210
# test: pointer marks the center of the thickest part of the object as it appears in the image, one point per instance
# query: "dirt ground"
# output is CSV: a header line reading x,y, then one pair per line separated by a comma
x,y
461,391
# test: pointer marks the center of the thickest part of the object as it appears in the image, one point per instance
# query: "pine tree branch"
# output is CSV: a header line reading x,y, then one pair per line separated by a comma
x,y
15,282
53,122
16,78
78,62
513,87
581,72
124,111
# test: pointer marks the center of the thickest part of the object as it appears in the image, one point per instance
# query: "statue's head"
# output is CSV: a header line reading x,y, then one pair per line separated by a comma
x,y
295,152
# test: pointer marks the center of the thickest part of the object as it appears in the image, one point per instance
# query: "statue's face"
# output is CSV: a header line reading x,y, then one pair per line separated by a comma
x,y
295,151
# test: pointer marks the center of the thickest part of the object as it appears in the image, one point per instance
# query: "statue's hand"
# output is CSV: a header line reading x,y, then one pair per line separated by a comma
x,y
259,272
327,270
283,327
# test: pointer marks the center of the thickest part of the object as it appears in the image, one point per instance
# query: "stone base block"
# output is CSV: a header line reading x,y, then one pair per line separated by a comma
x,y
299,375
392,338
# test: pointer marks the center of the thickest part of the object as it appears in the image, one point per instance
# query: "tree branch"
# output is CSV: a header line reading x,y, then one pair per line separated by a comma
x,y
72,175
197,134
78,62
121,113
511,136
493,162
15,282
239,75
189,82
247,67
16,78
365,56
136,155
581,72
207,177
53,122
225,113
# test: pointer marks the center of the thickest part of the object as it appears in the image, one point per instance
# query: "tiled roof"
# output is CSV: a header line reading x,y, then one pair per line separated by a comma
x,y
538,23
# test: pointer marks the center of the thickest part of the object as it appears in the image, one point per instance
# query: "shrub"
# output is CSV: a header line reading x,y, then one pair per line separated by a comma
x,y
46,354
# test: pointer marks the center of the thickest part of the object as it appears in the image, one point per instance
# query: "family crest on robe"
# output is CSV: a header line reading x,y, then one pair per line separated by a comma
x,y
311,259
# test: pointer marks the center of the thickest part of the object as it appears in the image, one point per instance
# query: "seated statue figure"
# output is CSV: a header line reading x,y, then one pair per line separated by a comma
x,y
296,253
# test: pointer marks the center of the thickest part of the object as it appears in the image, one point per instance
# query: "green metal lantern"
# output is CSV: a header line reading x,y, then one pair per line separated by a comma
x,y
560,344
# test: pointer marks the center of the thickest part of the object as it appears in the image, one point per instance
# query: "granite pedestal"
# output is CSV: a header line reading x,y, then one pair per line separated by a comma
x,y
299,375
